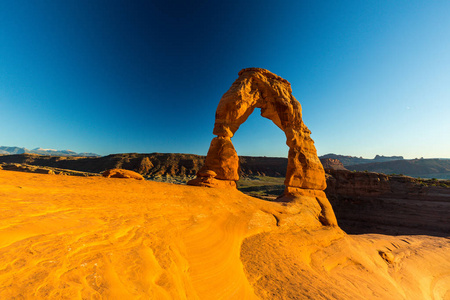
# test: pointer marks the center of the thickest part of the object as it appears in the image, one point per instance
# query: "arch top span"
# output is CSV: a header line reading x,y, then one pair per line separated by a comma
x,y
257,88
260,88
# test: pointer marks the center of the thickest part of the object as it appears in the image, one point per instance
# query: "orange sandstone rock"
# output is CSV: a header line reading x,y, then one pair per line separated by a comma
x,y
207,173
121,173
259,88
222,159
212,182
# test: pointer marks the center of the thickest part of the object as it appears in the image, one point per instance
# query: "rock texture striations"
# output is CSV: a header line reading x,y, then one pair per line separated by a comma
x,y
259,88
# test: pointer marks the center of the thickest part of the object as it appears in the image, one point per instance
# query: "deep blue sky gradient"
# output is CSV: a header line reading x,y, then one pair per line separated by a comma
x,y
373,77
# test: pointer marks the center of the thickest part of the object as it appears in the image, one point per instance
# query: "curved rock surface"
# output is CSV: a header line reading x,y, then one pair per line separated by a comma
x,y
65,237
121,173
259,88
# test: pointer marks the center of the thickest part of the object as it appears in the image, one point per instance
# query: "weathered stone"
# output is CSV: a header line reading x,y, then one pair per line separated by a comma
x,y
259,88
207,173
212,182
121,173
222,159
326,213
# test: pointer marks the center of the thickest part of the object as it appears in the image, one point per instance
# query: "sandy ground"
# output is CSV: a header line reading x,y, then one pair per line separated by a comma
x,y
67,237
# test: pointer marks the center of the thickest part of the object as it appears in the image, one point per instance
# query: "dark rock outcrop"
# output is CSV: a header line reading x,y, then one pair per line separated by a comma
x,y
170,164
367,202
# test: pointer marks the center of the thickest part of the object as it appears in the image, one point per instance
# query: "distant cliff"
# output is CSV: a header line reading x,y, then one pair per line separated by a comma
x,y
145,164
426,168
366,202
175,164
157,164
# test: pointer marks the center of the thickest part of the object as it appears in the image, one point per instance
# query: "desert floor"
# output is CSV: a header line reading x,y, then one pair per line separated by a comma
x,y
64,237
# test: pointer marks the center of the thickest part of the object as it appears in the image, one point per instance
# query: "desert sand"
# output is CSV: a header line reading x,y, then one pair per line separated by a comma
x,y
64,237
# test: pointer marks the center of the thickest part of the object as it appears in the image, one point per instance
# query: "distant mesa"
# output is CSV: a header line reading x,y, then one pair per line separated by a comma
x,y
332,164
259,88
382,158
122,173
353,160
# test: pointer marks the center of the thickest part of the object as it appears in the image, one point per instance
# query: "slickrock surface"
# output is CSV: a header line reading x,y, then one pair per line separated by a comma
x,y
259,88
64,237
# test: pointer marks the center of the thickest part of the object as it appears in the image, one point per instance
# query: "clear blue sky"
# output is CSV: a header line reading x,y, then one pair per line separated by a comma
x,y
373,77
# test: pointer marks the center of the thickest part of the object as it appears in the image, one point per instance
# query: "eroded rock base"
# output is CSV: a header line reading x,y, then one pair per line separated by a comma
x,y
315,200
212,182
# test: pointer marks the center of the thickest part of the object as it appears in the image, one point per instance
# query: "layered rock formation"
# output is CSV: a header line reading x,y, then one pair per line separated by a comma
x,y
367,202
332,164
151,164
259,88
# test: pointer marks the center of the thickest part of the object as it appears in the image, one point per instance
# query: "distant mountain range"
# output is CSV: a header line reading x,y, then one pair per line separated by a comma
x,y
20,150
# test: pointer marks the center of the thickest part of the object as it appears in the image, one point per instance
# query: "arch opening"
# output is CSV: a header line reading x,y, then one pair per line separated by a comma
x,y
262,151
258,136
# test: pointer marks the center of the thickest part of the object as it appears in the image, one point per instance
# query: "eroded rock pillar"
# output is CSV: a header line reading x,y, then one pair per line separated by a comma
x,y
221,165
304,168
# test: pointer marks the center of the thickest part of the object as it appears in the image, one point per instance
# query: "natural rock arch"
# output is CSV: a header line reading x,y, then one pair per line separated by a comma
x,y
259,88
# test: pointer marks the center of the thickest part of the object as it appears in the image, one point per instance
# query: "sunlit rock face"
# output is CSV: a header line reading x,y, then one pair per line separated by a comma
x,y
121,173
259,88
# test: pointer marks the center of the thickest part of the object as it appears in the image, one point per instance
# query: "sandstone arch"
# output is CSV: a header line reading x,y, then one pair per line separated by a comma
x,y
259,88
